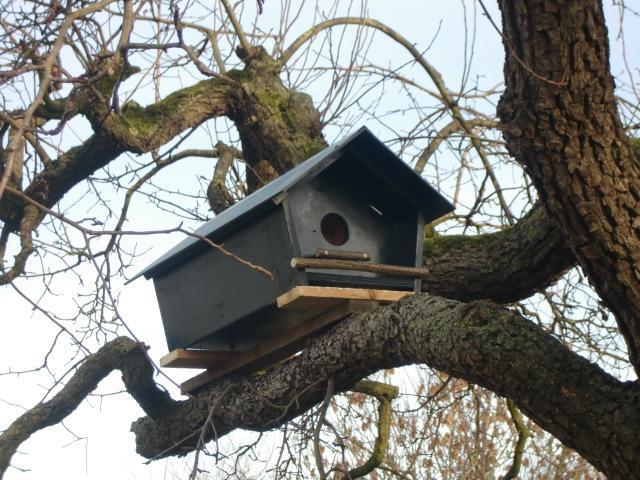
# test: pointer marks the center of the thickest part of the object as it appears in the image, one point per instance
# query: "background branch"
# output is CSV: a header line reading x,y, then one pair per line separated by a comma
x,y
137,374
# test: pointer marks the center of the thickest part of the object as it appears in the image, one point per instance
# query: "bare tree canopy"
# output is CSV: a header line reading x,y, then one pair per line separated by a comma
x,y
128,123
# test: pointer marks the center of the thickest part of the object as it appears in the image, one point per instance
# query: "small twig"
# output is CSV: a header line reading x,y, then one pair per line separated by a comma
x,y
331,385
523,434
105,281
91,232
191,53
205,427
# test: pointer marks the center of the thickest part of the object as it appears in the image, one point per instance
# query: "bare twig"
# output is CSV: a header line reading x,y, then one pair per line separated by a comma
x,y
523,434
91,232
322,413
205,428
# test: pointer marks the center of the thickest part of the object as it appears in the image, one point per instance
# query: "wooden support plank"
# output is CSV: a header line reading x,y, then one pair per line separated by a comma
x,y
183,358
279,347
305,297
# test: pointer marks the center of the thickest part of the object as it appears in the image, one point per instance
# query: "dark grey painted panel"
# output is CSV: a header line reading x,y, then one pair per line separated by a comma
x,y
210,291
381,222
320,279
254,328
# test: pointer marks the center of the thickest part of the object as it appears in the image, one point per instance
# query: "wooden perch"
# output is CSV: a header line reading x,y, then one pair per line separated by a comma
x,y
331,264
183,358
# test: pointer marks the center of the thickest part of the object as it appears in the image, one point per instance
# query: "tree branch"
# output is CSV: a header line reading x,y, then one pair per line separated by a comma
x,y
137,129
444,133
142,129
583,406
505,266
523,434
384,394
244,43
121,353
217,192
29,222
45,80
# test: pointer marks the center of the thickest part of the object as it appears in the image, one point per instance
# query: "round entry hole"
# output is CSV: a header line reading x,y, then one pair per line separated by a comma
x,y
334,229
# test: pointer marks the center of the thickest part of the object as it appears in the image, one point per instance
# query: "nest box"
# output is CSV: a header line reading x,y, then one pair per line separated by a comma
x,y
353,201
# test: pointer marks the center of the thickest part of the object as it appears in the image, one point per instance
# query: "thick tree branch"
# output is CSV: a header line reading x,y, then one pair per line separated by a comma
x,y
279,127
121,353
505,267
582,405
142,129
137,129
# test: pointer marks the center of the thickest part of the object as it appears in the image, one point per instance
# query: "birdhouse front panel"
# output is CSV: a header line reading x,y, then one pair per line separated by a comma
x,y
348,209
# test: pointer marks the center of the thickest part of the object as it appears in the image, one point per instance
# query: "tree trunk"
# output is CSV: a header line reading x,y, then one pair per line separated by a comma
x,y
278,127
561,123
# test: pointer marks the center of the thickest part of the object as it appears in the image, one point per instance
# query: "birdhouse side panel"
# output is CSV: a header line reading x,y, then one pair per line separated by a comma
x,y
211,290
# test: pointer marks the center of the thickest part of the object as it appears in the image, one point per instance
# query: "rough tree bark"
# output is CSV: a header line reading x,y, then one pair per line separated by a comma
x,y
278,127
561,122
506,266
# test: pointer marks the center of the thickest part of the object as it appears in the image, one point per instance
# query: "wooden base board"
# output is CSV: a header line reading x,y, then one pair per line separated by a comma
x,y
305,297
183,358
319,307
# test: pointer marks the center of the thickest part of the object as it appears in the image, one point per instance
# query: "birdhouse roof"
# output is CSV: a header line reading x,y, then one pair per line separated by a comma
x,y
422,196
